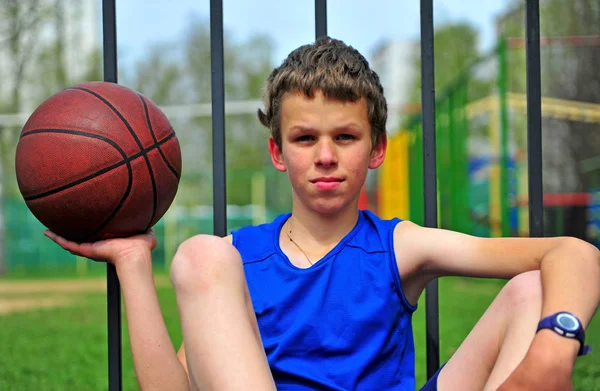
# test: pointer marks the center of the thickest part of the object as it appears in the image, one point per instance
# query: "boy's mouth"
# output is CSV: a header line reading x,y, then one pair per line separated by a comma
x,y
327,183
326,179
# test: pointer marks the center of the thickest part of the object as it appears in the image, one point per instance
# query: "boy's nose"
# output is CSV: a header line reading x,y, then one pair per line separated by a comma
x,y
326,156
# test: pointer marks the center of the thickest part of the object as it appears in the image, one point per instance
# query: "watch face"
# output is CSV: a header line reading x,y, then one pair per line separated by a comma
x,y
568,322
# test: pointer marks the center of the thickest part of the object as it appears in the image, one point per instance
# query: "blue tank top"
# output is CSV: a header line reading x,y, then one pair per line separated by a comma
x,y
343,323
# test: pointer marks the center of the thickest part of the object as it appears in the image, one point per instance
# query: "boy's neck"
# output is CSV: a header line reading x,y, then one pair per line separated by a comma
x,y
313,228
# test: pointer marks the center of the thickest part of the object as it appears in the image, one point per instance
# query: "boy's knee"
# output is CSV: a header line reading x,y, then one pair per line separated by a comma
x,y
202,262
524,289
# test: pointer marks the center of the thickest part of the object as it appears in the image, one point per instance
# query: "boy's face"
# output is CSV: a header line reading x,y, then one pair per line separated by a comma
x,y
326,150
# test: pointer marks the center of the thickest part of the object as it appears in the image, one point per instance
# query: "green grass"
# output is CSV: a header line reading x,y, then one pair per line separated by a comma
x,y
65,348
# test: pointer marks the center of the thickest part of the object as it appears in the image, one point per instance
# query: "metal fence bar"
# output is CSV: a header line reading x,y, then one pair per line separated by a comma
x,y
218,118
429,177
113,288
320,18
534,119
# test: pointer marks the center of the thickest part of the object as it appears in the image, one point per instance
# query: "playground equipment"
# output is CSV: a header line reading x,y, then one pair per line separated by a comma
x,y
482,186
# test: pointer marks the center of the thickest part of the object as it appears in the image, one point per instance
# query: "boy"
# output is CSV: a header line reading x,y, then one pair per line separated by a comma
x,y
322,298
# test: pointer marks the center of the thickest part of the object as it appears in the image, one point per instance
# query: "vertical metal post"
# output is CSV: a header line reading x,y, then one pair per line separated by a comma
x,y
320,18
113,288
534,118
218,118
429,176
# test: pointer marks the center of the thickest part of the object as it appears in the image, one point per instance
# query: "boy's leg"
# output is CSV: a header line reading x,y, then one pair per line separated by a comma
x,y
220,333
499,341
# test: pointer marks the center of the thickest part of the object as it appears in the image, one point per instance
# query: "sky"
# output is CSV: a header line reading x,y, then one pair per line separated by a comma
x,y
360,23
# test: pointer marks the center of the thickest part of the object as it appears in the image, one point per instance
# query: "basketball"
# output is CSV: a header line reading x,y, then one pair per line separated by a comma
x,y
97,161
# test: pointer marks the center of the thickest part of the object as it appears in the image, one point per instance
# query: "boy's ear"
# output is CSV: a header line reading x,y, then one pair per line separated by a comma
x,y
378,152
276,155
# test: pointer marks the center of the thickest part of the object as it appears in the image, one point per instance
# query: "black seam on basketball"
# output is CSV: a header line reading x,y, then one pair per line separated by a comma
x,y
114,109
119,205
81,180
137,140
135,137
126,159
173,170
155,199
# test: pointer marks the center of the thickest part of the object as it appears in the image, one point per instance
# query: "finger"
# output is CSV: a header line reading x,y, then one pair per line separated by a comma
x,y
93,251
64,243
50,235
72,247
56,239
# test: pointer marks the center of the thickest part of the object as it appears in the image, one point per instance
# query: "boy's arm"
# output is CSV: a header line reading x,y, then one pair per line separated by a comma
x,y
156,364
570,267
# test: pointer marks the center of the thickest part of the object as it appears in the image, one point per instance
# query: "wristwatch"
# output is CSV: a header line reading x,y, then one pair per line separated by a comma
x,y
566,325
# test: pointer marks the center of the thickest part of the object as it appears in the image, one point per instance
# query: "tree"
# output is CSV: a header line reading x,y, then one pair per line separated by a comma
x,y
181,74
34,69
20,21
569,71
455,48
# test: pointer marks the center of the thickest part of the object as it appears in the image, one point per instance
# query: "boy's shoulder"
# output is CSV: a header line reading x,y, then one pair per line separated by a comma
x,y
375,230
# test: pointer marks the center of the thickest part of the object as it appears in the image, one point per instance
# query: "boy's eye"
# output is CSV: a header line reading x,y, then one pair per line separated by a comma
x,y
304,138
346,137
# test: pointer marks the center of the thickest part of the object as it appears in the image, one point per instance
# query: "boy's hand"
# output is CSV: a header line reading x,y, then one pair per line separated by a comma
x,y
114,251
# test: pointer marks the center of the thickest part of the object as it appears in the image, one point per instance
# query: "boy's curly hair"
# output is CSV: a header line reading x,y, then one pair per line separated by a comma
x,y
333,67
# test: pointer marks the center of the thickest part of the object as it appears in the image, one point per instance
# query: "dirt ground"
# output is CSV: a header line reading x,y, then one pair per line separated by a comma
x,y
16,296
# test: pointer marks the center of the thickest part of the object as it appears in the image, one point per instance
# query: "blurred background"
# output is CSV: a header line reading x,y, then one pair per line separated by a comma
x,y
52,308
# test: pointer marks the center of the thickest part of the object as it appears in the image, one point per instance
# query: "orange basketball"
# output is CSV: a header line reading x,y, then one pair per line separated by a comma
x,y
98,160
